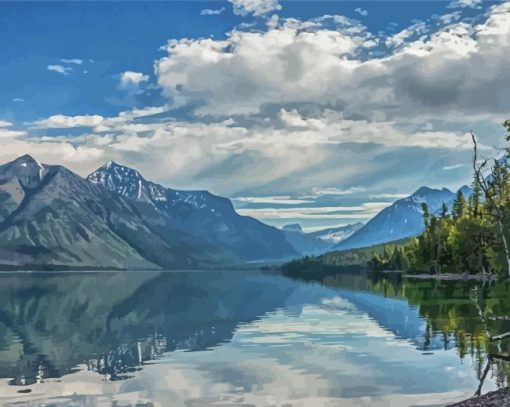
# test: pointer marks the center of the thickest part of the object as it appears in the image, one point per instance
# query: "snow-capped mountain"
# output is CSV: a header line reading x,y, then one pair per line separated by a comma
x,y
16,179
338,234
202,216
318,242
51,217
403,219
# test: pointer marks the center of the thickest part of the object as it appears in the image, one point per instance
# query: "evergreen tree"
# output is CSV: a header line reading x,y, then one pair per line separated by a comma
x,y
459,205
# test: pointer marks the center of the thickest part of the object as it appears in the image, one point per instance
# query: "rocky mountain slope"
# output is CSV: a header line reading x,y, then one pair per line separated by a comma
x,y
51,217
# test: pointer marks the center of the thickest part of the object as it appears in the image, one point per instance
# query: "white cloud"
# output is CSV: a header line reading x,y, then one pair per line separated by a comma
x,y
453,167
130,78
336,191
204,155
390,196
10,134
281,200
361,12
362,211
60,69
465,4
299,105
403,36
18,100
5,123
75,61
64,122
212,12
255,7
439,74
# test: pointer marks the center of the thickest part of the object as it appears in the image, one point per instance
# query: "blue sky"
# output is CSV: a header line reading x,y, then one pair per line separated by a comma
x,y
114,37
286,106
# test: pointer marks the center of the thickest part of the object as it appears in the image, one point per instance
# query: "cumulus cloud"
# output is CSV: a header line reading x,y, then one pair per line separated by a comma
x,y
456,70
130,78
60,121
298,105
5,123
255,7
64,70
212,12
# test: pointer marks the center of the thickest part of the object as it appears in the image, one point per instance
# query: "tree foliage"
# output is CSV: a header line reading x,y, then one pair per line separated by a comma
x,y
472,238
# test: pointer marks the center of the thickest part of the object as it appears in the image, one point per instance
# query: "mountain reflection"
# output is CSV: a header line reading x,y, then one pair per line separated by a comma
x,y
114,322
121,325
460,315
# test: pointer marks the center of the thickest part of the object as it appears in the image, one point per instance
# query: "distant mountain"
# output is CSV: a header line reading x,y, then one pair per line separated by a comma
x,y
294,227
51,217
403,219
303,243
203,217
321,241
338,234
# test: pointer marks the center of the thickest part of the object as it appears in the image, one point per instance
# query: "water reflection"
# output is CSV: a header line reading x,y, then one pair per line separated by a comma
x,y
460,315
51,323
246,337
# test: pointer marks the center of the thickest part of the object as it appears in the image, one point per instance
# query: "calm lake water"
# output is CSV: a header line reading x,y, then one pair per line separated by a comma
x,y
246,339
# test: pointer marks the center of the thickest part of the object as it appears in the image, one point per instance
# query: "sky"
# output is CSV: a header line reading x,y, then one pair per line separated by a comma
x,y
316,112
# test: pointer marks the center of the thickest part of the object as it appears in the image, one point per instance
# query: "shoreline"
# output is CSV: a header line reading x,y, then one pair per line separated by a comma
x,y
497,398
451,277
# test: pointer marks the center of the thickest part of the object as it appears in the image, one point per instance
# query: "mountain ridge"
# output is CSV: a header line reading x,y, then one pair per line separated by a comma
x,y
51,217
401,220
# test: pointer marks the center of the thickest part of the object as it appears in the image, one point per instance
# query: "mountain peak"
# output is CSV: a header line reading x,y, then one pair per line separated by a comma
x,y
126,181
294,227
27,169
422,191
113,170
426,191
26,158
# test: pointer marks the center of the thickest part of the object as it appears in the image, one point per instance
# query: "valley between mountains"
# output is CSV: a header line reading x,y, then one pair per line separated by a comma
x,y
52,218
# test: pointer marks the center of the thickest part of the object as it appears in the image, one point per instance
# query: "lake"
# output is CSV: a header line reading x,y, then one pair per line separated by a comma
x,y
246,338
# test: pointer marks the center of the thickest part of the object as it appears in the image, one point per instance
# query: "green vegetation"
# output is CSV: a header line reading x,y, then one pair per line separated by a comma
x,y
353,259
472,238
464,315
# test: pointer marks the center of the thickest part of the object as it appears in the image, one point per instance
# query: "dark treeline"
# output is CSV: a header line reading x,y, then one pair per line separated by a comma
x,y
470,237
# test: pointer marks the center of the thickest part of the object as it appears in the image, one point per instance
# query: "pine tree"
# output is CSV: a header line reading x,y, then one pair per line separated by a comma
x,y
459,205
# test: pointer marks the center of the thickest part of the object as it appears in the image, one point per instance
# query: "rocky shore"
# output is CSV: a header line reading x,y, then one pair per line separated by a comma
x,y
498,398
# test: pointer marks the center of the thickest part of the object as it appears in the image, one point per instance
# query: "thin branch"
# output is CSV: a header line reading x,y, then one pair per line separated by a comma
x,y
499,337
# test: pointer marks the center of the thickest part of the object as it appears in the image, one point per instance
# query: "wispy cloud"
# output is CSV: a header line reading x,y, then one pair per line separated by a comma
x,y
390,196
64,70
336,191
453,167
75,61
361,12
18,100
282,200
212,12
363,211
